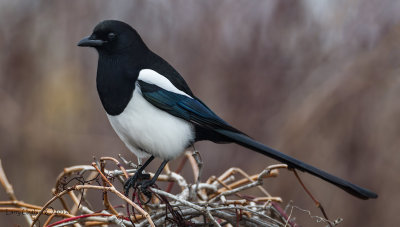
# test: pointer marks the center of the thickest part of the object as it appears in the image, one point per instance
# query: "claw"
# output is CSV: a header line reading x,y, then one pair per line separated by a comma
x,y
144,188
136,180
145,176
132,181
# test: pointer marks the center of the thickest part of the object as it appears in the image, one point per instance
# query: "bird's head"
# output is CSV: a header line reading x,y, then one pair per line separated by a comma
x,y
112,36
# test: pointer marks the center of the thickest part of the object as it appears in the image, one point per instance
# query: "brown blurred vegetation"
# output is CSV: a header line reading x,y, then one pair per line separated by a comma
x,y
318,80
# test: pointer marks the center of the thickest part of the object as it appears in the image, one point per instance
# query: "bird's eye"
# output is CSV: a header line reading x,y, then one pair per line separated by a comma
x,y
111,36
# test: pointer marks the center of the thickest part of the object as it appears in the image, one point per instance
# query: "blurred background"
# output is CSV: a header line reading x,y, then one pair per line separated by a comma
x,y
318,80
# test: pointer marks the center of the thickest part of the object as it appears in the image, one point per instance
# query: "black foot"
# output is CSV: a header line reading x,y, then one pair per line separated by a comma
x,y
133,180
144,188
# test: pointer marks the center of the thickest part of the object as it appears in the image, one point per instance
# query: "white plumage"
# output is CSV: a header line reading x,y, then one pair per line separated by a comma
x,y
147,130
153,77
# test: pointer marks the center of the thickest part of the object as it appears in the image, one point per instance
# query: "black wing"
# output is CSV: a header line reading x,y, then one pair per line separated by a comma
x,y
193,110
182,106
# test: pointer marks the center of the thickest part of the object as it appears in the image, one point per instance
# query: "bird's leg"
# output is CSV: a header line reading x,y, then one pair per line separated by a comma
x,y
143,176
147,183
199,162
138,175
139,161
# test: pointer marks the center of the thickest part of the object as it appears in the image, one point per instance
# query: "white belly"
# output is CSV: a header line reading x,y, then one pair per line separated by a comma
x,y
147,130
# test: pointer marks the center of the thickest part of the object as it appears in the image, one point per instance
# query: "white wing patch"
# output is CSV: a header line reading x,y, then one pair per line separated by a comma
x,y
153,77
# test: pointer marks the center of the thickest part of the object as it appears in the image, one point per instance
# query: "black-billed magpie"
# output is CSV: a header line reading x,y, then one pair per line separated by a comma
x,y
155,113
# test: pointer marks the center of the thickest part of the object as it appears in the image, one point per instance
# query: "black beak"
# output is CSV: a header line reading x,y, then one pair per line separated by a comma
x,y
88,42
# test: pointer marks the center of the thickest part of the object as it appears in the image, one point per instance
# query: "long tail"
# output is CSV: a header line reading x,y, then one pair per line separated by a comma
x,y
246,141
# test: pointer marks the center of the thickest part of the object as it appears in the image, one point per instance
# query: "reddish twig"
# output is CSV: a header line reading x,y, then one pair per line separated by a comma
x,y
317,203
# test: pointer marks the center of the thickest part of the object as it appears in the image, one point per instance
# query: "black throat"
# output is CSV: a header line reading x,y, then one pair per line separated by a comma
x,y
116,78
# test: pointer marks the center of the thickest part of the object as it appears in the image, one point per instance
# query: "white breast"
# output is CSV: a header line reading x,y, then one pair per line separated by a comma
x,y
147,130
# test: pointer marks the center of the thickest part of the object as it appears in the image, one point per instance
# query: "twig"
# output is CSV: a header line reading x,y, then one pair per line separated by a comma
x,y
111,189
10,191
183,202
317,203
244,187
118,164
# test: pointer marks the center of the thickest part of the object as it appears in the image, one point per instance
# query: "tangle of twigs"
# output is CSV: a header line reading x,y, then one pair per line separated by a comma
x,y
219,201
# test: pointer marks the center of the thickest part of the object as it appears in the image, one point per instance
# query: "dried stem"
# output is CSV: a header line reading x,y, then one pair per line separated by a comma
x,y
214,201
